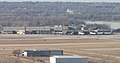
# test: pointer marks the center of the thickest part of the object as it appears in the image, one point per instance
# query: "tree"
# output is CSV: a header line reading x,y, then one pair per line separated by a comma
x,y
17,52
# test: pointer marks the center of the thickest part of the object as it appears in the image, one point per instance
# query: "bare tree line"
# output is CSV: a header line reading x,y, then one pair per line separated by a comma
x,y
54,13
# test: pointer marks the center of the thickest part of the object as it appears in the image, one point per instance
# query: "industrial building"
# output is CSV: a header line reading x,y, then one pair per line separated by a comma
x,y
68,59
38,53
104,32
33,30
62,30
75,30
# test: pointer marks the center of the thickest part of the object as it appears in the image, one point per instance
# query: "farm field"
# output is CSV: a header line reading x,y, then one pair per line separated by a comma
x,y
98,48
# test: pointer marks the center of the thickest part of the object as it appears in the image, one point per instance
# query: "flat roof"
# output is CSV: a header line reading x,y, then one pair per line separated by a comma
x,y
69,56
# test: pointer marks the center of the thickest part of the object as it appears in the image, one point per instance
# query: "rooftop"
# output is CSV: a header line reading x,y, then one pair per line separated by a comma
x,y
69,56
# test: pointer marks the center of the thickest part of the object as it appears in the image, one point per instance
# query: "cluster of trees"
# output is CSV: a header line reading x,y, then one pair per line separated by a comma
x,y
17,52
54,13
97,26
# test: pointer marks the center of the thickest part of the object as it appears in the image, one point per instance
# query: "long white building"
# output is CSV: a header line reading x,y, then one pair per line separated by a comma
x,y
68,59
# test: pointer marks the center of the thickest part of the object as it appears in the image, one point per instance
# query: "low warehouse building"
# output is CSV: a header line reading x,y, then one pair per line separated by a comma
x,y
68,59
56,52
37,53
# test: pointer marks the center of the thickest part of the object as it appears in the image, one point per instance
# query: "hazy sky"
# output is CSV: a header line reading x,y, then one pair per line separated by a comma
x,y
67,0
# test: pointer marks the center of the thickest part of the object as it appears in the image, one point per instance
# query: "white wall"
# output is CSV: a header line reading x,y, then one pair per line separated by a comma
x,y
25,54
52,60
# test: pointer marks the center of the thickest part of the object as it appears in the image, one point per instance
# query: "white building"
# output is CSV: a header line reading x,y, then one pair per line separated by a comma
x,y
21,32
81,33
68,59
93,33
24,54
70,11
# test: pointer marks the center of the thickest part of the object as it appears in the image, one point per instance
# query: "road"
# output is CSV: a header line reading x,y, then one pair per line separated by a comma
x,y
100,43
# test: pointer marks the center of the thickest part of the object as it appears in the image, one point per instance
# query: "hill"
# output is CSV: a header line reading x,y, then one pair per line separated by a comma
x,y
55,13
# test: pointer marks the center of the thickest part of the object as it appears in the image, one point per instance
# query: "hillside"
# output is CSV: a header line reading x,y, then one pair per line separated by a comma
x,y
55,13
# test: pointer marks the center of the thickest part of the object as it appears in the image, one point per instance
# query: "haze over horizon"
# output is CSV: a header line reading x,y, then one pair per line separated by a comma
x,y
62,0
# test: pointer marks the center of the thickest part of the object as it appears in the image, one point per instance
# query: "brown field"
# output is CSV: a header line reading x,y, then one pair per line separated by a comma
x,y
99,49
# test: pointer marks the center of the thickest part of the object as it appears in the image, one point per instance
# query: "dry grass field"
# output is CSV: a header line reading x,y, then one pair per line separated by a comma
x,y
99,49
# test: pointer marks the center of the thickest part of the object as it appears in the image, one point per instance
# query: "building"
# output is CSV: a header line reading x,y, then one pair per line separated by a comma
x,y
105,32
57,29
108,32
39,30
72,30
93,32
100,33
11,30
35,30
38,53
68,59
21,32
80,32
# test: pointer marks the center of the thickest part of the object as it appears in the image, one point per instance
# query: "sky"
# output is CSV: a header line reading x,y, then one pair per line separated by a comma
x,y
64,0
